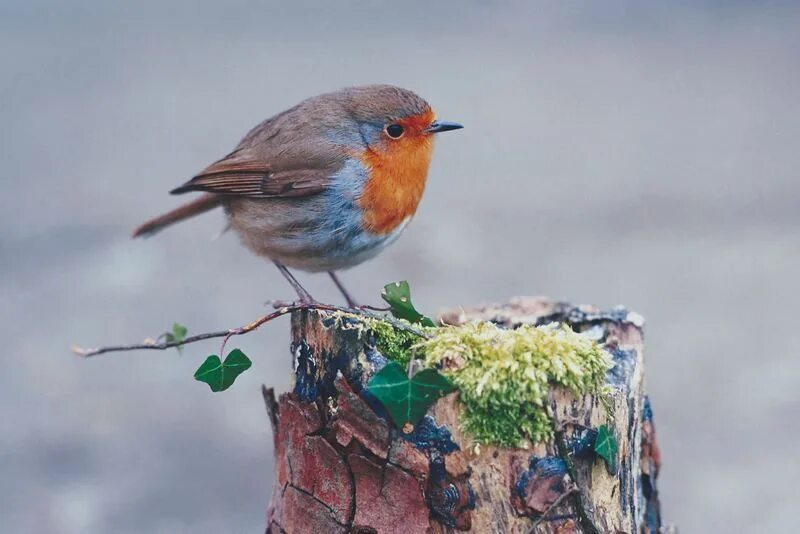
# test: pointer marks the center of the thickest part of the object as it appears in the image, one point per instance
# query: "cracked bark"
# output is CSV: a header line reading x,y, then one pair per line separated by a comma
x,y
340,467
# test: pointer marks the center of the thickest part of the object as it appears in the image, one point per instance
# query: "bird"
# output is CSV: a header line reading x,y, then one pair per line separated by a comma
x,y
324,185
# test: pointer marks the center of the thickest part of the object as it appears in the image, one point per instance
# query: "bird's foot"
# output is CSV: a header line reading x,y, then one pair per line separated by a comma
x,y
367,307
308,303
311,303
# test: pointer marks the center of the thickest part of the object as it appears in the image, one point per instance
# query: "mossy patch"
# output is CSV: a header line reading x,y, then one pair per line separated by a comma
x,y
394,344
503,375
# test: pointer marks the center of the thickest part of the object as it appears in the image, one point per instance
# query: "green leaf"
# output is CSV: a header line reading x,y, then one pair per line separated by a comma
x,y
606,447
221,375
179,332
398,296
406,399
177,335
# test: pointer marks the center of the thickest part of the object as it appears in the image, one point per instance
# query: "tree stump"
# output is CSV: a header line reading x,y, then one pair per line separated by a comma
x,y
342,467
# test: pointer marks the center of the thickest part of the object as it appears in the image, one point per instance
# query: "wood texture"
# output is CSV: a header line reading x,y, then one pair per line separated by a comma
x,y
342,467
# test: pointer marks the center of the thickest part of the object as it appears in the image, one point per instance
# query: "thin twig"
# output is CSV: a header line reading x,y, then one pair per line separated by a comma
x,y
553,506
563,451
227,334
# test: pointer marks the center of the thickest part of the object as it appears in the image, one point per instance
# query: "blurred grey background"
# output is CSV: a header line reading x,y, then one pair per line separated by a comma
x,y
617,152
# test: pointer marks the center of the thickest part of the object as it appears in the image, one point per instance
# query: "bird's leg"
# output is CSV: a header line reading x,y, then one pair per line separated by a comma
x,y
305,296
350,300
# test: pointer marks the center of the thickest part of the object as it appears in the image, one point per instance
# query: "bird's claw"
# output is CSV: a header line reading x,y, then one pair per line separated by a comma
x,y
367,307
278,304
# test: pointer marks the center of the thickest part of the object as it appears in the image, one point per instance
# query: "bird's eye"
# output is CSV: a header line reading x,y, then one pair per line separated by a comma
x,y
395,131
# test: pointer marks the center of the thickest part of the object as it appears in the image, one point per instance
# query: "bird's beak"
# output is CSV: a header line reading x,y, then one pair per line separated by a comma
x,y
443,126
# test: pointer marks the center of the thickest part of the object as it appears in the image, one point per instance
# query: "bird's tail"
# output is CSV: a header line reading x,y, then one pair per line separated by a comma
x,y
196,207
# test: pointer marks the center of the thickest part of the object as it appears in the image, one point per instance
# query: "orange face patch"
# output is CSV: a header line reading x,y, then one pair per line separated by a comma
x,y
397,173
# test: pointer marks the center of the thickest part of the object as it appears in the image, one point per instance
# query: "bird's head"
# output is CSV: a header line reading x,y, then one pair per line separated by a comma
x,y
394,131
392,119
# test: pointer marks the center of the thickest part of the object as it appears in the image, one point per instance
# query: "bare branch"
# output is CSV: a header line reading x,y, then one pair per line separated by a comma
x,y
553,506
155,345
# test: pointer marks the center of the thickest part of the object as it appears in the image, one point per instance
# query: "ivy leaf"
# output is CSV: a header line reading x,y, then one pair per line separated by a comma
x,y
177,335
221,375
179,332
406,399
606,447
398,296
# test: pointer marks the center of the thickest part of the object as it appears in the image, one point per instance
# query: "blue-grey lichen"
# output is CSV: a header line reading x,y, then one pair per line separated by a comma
x,y
504,375
434,439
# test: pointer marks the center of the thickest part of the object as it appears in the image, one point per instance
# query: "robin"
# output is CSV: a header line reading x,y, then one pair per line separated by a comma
x,y
324,185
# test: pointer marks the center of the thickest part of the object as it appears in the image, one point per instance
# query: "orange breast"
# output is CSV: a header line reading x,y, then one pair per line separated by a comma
x,y
397,173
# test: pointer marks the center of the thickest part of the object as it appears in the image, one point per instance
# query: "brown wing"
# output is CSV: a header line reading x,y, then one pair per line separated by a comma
x,y
288,155
257,180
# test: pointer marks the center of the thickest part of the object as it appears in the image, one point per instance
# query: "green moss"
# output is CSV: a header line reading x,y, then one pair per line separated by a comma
x,y
394,344
504,375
